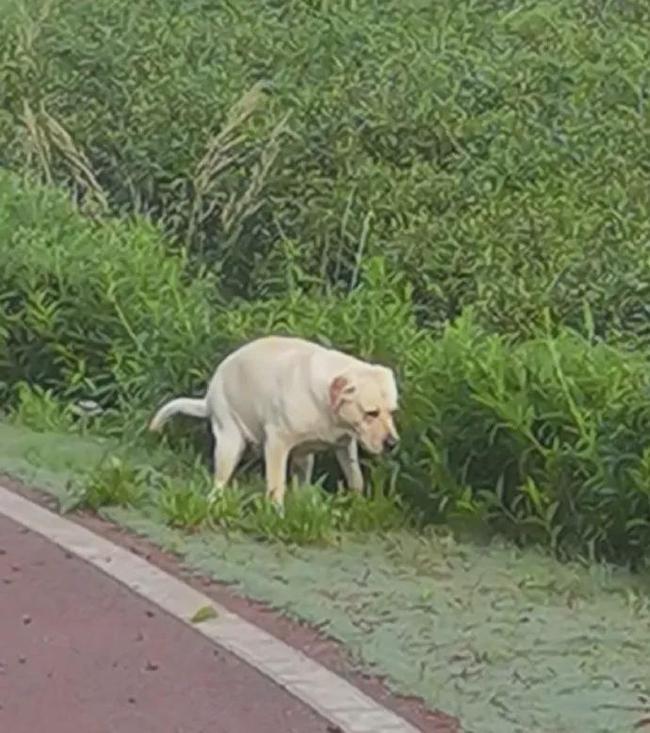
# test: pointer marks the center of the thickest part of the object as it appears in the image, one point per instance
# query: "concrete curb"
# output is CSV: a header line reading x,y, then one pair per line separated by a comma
x,y
325,692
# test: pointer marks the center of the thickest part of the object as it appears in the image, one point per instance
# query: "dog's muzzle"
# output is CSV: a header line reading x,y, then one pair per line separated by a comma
x,y
390,443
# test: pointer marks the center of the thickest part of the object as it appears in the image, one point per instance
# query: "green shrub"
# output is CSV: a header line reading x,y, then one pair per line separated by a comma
x,y
548,439
39,409
103,312
84,305
494,154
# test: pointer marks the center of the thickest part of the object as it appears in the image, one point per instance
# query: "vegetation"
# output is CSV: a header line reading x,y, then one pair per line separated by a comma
x,y
456,188
310,515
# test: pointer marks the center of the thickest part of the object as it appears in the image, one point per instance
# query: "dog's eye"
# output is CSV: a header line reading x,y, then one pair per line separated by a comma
x,y
372,413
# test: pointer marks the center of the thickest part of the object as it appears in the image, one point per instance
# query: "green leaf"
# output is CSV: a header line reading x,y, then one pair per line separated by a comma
x,y
205,613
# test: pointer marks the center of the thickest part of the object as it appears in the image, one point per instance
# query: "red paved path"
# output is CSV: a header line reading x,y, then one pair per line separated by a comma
x,y
79,653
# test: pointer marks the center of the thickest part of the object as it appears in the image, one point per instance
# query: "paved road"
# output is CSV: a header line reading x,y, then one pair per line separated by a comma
x,y
79,653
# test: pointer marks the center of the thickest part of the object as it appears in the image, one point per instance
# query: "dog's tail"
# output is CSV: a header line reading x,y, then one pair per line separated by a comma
x,y
184,405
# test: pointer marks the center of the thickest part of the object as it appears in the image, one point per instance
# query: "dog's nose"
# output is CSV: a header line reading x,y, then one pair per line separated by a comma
x,y
390,442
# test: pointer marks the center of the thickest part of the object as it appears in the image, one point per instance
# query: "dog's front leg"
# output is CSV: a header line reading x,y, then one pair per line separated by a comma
x,y
348,458
276,456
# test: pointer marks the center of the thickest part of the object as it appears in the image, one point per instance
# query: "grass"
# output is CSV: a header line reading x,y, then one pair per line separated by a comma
x,y
184,500
116,483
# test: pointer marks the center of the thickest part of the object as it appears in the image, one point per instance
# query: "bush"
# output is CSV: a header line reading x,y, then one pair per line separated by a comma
x,y
547,439
103,312
84,304
494,154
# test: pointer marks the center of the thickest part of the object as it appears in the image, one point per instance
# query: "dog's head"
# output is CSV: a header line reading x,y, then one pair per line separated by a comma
x,y
364,399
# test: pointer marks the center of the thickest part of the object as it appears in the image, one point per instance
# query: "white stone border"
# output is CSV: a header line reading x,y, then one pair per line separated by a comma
x,y
325,692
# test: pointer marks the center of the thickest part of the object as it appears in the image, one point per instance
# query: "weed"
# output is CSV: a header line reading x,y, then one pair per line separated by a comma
x,y
310,515
38,408
184,501
306,519
378,513
184,507
228,508
114,482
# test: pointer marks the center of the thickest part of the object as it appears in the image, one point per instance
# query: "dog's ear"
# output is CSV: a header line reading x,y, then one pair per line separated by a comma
x,y
340,388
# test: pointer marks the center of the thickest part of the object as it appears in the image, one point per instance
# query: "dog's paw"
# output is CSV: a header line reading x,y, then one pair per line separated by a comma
x,y
278,506
215,494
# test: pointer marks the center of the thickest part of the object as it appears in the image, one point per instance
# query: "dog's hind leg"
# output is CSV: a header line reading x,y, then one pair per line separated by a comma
x,y
228,450
302,468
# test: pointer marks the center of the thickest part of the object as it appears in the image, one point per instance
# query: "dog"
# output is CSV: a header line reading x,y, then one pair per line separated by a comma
x,y
292,398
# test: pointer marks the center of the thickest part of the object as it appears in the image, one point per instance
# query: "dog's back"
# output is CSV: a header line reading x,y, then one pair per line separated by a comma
x,y
270,378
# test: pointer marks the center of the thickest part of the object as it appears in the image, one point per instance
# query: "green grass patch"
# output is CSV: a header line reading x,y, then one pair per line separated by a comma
x,y
310,516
